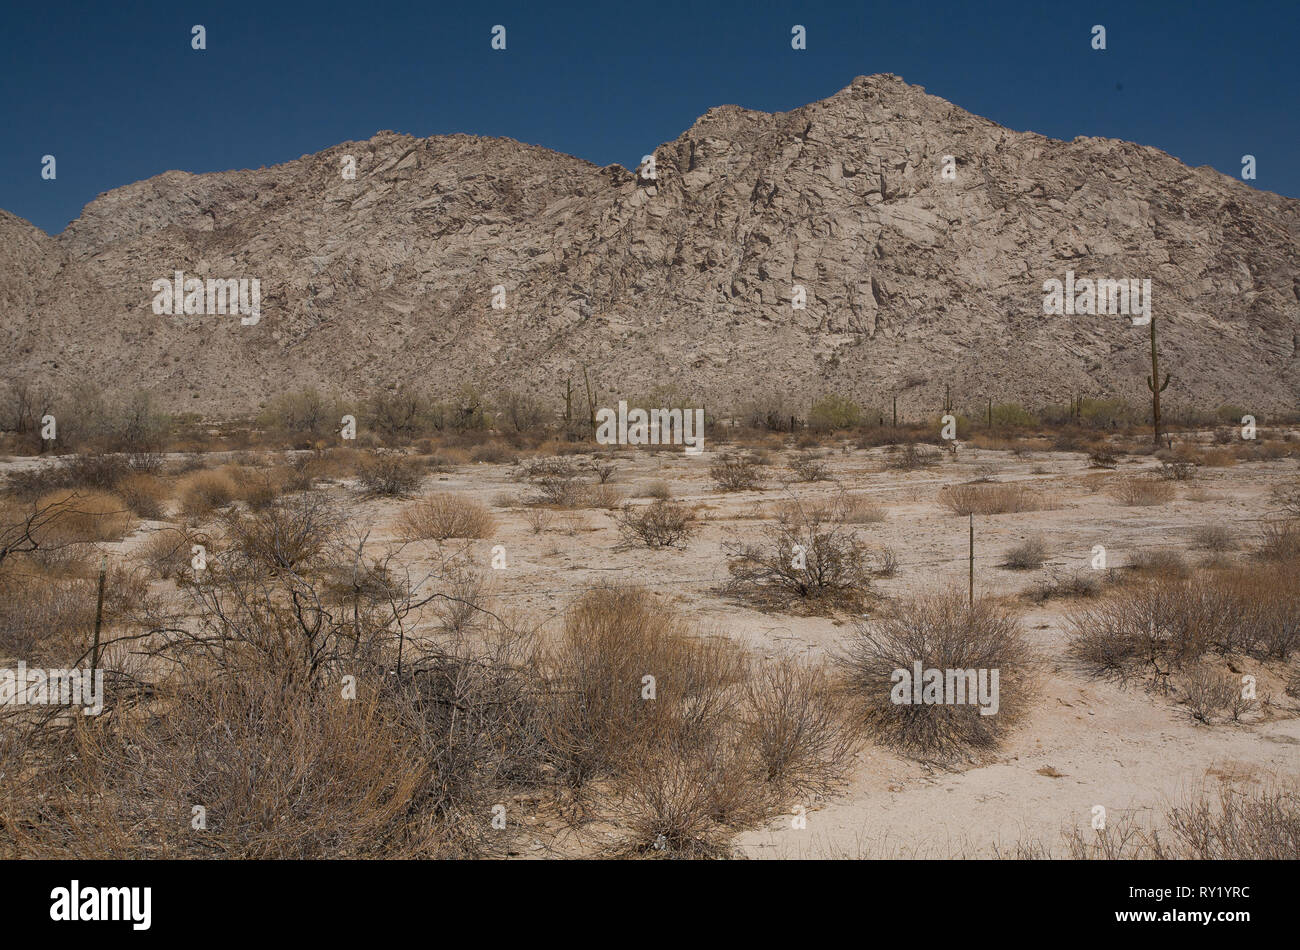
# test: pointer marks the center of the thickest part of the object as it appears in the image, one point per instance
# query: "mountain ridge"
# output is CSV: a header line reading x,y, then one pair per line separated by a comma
x,y
913,281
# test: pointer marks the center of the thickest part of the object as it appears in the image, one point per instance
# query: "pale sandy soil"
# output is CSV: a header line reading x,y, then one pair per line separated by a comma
x,y
1085,743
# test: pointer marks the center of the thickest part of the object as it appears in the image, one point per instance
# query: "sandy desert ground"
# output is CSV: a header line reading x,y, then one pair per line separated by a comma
x,y
1086,741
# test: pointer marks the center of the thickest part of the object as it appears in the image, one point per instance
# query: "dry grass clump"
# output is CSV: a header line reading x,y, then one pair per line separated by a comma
x,y
282,772
658,490
1143,491
1209,692
661,524
145,495
1214,537
1166,561
444,515
913,456
990,499
169,552
601,495
85,515
944,633
696,741
736,473
802,560
204,491
44,618
1026,556
1167,623
1062,582
857,509
1224,823
1279,541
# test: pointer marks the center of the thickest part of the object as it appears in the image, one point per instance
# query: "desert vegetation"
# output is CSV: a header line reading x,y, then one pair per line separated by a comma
x,y
470,631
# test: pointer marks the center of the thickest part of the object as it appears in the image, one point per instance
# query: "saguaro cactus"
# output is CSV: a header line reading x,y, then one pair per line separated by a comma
x,y
1156,387
947,398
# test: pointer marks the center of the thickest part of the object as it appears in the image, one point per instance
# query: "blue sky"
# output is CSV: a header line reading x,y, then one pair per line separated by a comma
x,y
114,91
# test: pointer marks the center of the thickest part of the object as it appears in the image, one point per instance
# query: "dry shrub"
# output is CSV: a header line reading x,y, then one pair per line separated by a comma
x,y
661,524
203,492
912,456
798,722
145,495
389,473
168,552
1214,537
85,515
717,745
1026,556
556,481
1279,541
43,617
941,632
494,453
1228,823
801,560
601,495
1062,582
986,499
736,473
658,490
1143,491
613,639
1166,561
1208,692
539,519
808,467
287,536
857,509
444,515
283,773
1167,623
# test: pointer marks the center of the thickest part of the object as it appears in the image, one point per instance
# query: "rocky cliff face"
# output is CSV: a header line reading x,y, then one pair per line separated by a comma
x,y
913,279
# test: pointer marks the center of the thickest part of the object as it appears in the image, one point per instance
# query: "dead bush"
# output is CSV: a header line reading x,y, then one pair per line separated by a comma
x,y
144,495
1061,582
389,473
1026,556
285,536
169,552
974,659
736,473
990,499
857,509
443,515
661,524
801,560
85,516
203,492
1206,691
1214,537
913,456
1143,491
1279,541
808,467
798,721
605,710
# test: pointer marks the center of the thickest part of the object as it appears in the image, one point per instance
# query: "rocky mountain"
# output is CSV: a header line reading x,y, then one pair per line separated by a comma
x,y
914,278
